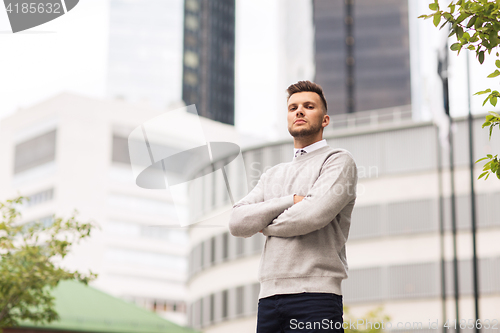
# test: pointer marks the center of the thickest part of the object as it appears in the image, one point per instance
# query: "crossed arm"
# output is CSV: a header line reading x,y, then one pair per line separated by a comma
x,y
286,217
252,213
296,199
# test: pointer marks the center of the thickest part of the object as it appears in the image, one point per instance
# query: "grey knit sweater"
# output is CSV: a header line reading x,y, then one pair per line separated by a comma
x,y
305,244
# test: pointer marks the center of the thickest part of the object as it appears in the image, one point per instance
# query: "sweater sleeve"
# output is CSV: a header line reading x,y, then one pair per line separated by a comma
x,y
331,192
251,214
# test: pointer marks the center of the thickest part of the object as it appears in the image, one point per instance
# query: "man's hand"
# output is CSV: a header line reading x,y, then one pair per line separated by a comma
x,y
296,198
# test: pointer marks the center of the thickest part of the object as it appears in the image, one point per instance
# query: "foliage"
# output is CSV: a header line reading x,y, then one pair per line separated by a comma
x,y
28,269
373,321
493,166
476,24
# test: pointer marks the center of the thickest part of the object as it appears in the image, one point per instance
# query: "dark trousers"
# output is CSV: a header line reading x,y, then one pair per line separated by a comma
x,y
304,312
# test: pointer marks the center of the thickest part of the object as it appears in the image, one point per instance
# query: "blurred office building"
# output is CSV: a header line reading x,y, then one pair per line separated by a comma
x,y
209,58
145,51
71,152
393,248
362,53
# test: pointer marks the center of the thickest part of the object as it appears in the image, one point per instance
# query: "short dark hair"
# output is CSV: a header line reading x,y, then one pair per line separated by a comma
x,y
307,86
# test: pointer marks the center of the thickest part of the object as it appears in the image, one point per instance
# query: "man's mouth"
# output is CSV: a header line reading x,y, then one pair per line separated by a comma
x,y
299,121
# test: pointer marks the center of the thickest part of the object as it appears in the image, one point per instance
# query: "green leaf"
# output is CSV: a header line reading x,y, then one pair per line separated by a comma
x,y
489,156
433,6
436,19
487,176
481,57
486,100
447,16
481,159
455,46
493,101
483,92
493,38
491,129
493,113
471,21
483,174
494,74
463,16
488,123
497,63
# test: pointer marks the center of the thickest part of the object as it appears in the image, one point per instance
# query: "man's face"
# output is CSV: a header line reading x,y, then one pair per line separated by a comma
x,y
305,114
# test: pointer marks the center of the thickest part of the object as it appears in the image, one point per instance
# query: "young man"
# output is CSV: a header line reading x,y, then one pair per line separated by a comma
x,y
304,208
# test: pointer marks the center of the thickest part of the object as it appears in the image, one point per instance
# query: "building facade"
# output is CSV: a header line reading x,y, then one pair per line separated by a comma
x,y
209,58
393,249
71,152
375,74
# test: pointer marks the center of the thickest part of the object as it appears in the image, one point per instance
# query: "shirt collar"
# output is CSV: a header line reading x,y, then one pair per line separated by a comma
x,y
312,147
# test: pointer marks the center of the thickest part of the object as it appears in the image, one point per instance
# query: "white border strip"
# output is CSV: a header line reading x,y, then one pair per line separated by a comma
x,y
64,6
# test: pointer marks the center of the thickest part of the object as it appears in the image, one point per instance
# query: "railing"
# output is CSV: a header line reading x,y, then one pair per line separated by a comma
x,y
372,118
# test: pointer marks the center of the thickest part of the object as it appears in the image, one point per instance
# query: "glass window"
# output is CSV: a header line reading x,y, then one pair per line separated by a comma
x,y
191,22
120,152
192,5
240,246
225,245
212,250
191,59
224,304
240,294
35,152
191,79
40,197
212,307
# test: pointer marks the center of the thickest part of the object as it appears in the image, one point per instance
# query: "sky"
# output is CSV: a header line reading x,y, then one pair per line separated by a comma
x,y
70,54
66,54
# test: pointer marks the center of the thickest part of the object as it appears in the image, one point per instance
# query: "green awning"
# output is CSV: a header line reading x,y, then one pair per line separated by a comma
x,y
82,308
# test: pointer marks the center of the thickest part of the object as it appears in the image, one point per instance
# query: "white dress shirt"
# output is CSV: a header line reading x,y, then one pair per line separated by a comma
x,y
311,147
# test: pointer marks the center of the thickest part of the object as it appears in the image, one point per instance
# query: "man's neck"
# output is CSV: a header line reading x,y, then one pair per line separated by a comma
x,y
301,142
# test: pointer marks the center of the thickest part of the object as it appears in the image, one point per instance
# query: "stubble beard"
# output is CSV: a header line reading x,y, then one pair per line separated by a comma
x,y
304,132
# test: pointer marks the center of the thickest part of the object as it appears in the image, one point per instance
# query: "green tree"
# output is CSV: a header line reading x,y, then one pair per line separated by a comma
x,y
373,321
28,264
475,24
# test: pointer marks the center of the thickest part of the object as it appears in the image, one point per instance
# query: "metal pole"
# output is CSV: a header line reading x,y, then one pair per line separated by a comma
x,y
441,229
472,202
454,228
443,69
349,60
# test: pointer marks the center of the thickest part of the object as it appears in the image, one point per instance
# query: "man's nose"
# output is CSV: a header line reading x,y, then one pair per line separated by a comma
x,y
300,110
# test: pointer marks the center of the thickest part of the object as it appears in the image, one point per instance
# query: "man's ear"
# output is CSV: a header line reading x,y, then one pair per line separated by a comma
x,y
326,120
